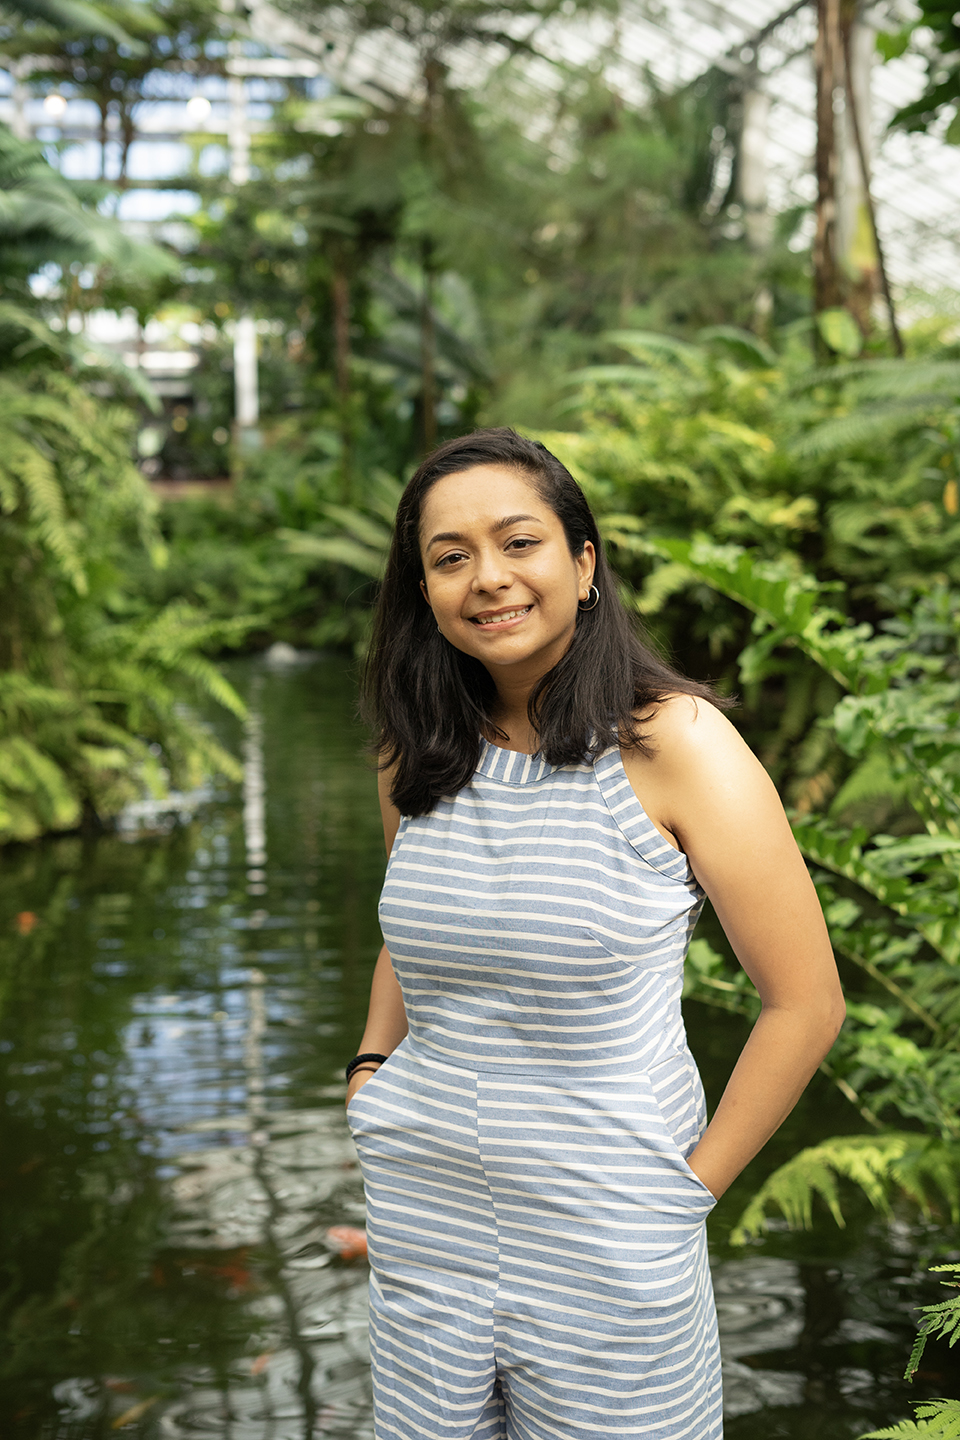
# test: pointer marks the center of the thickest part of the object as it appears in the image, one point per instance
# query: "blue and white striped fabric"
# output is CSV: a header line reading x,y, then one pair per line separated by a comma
x,y
537,1238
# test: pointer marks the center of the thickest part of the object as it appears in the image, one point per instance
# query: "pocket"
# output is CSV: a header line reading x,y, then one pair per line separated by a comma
x,y
678,1070
363,1089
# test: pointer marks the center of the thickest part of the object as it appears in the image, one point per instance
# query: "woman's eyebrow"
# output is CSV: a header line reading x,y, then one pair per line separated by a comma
x,y
445,536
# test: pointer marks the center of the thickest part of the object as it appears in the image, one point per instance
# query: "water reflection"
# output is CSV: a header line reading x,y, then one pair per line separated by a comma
x,y
759,1309
176,1006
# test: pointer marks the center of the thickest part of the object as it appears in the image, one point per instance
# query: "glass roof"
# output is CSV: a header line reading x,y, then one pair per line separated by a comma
x,y
916,178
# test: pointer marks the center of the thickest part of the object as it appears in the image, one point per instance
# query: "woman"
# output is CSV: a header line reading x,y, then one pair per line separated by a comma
x,y
529,1120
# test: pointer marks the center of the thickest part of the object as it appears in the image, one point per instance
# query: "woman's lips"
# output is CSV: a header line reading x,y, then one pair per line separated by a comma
x,y
501,618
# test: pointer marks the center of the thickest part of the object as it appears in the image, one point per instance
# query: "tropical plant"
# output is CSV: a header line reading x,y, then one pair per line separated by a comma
x,y
938,41
935,1419
46,220
91,696
892,902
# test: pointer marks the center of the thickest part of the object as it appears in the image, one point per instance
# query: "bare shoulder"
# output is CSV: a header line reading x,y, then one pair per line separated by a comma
x,y
698,773
683,728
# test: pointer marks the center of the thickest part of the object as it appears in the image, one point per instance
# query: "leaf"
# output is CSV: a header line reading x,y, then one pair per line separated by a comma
x,y
743,346
647,345
939,1322
891,44
840,331
942,1427
896,1162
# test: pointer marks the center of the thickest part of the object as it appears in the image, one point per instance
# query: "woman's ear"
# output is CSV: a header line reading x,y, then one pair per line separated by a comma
x,y
587,561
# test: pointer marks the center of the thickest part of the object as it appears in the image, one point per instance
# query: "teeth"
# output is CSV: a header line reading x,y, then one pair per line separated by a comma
x,y
507,615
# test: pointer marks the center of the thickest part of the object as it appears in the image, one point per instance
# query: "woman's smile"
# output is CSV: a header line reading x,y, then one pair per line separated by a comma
x,y
500,619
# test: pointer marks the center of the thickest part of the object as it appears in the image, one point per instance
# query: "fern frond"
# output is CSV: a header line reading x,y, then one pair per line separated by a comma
x,y
873,779
897,1162
936,1420
940,1322
638,377
742,345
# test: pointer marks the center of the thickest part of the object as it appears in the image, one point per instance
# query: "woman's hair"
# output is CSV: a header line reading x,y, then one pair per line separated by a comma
x,y
430,704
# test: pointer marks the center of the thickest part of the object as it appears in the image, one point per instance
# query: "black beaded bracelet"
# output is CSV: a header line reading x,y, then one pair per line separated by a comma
x,y
358,1060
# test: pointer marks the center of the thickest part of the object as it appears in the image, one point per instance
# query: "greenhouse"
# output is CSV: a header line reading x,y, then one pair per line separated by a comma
x,y
257,262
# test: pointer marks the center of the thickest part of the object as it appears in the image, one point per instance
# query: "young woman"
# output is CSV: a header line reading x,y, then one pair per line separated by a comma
x,y
530,1122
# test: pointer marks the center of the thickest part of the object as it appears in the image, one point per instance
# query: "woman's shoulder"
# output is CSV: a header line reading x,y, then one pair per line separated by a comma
x,y
695,768
680,726
689,746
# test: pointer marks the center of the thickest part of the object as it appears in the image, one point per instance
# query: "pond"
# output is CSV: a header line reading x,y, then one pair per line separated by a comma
x,y
177,1001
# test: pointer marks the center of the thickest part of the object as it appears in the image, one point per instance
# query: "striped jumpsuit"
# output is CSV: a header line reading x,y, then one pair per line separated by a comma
x,y
536,1236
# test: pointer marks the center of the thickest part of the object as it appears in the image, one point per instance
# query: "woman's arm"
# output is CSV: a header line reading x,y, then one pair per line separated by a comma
x,y
707,792
386,1018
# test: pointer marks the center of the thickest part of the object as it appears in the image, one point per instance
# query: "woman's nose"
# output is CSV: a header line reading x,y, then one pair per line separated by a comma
x,y
492,572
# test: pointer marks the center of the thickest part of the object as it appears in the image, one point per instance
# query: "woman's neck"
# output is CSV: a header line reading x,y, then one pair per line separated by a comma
x,y
514,731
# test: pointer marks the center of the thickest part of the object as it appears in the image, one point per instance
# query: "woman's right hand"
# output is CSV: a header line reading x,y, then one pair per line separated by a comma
x,y
358,1079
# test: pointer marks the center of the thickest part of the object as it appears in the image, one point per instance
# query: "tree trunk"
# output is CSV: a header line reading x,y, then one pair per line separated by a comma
x,y
128,131
856,57
828,63
428,353
104,137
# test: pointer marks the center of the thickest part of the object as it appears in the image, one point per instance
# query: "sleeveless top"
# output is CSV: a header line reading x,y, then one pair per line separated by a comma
x,y
538,921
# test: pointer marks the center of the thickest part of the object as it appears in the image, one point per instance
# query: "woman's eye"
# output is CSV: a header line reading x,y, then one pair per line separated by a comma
x,y
521,544
450,559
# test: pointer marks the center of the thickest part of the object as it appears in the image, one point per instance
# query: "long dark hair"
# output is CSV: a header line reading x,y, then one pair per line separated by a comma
x,y
429,704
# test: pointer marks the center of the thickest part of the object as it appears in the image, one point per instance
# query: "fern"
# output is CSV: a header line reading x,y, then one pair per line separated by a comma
x,y
936,1420
940,1322
881,1166
85,698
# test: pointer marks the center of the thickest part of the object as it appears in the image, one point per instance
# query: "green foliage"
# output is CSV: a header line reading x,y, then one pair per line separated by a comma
x,y
940,1322
47,220
902,708
880,1165
936,1419
91,711
776,526
355,538
942,90
840,331
76,15
271,547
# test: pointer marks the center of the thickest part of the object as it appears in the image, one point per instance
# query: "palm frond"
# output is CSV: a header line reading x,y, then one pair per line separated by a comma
x,y
75,15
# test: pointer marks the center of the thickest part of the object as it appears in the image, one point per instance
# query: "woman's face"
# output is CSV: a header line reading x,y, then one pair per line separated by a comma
x,y
498,573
